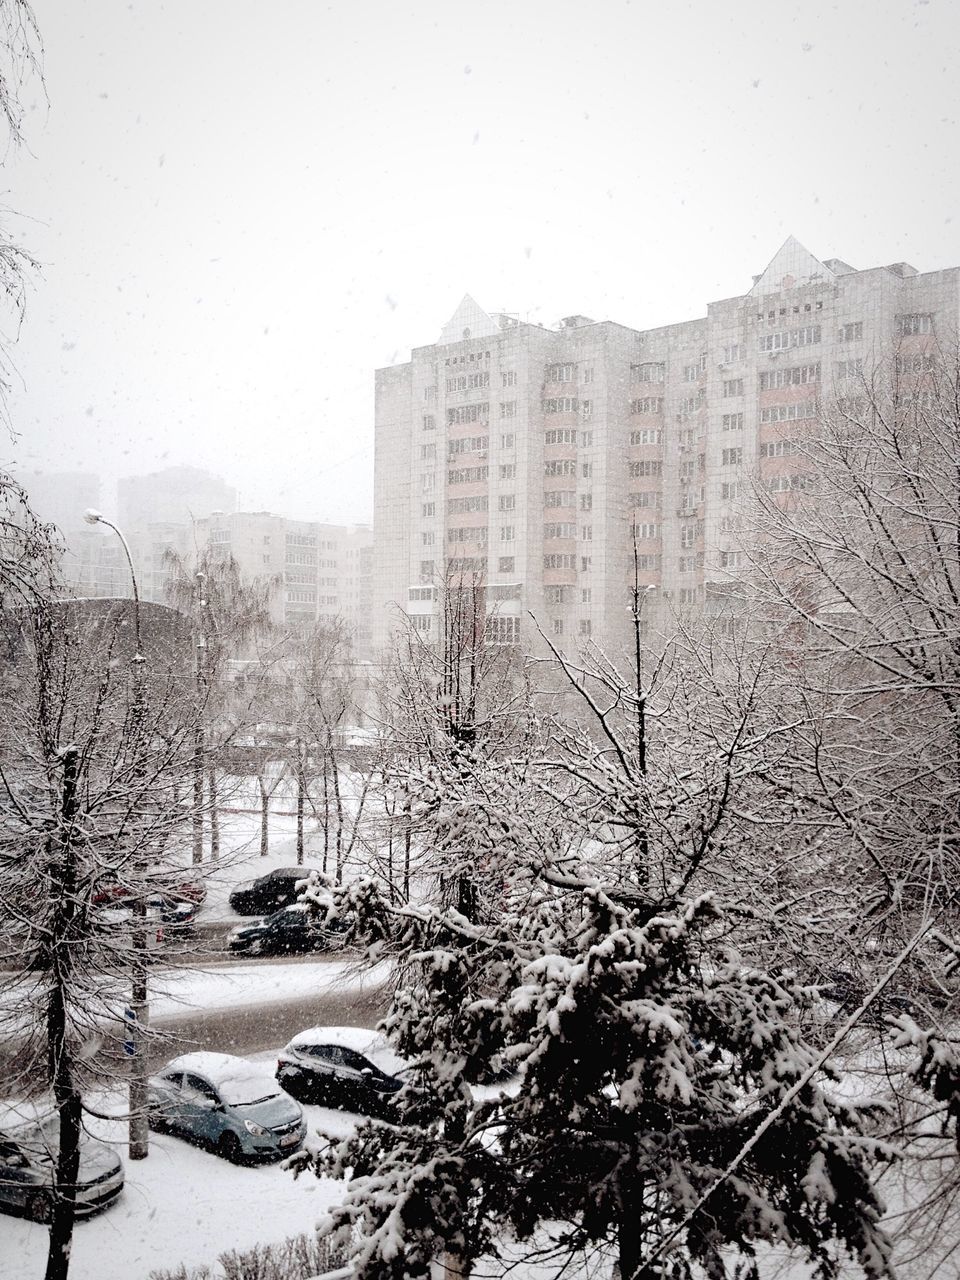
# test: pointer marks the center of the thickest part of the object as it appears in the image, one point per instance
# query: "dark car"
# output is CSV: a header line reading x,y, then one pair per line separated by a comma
x,y
226,1103
112,892
290,930
278,888
348,1067
28,1159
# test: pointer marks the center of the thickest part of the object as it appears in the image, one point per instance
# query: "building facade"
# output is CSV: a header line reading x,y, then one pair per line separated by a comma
x,y
561,466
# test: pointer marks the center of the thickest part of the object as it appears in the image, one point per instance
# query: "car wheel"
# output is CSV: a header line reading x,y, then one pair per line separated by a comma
x,y
38,1207
256,947
229,1147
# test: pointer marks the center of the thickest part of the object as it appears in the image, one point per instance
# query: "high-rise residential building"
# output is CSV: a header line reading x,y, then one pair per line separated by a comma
x,y
557,465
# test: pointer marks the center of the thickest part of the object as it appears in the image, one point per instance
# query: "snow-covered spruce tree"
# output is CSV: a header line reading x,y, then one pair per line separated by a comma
x,y
647,1056
647,1053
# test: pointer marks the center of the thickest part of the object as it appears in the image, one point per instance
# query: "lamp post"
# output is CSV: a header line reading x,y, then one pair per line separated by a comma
x,y
139,1134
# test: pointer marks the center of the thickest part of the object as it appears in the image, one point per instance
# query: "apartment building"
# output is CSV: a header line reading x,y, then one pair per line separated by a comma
x,y
321,572
545,460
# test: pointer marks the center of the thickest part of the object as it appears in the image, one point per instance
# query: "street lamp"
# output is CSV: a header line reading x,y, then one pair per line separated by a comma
x,y
139,1139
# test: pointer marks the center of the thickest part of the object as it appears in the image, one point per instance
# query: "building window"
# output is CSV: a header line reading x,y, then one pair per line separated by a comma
x,y
644,498
645,530
559,529
505,564
508,470
586,626
586,563
732,457
586,439
428,481
733,353
586,470
905,364
561,373
646,435
733,387
786,484
561,404
648,371
851,332
588,374
788,338
427,539
559,498
647,404
558,560
779,448
789,412
466,444
732,422
428,451
731,559
799,376
507,533
457,505
555,595
507,440
508,408
586,533
507,502
428,509
557,626
429,422
647,467
468,475
586,408
466,413
426,570
508,378
560,467
909,326
730,489
586,502
503,630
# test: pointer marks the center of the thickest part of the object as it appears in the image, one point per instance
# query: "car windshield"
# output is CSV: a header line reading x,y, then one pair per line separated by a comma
x,y
246,1091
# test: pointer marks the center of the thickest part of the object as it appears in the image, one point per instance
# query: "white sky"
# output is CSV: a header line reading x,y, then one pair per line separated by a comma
x,y
244,208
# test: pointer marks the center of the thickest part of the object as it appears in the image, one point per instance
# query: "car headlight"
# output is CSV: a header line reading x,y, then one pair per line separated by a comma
x,y
256,1129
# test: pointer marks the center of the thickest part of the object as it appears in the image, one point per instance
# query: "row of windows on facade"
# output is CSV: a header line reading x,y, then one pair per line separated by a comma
x,y
907,325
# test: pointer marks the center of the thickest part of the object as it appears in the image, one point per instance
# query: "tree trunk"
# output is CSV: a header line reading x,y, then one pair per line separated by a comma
x,y
264,817
198,792
213,792
62,1214
301,788
630,1226
326,813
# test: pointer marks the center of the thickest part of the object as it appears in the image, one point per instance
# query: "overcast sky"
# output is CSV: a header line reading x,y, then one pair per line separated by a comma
x,y
242,208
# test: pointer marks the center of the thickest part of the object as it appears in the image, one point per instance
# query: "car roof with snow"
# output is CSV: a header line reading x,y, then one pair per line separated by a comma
x,y
372,1044
236,1079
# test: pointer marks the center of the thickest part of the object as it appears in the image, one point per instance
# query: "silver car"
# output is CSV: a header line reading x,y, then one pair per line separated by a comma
x,y
28,1162
226,1103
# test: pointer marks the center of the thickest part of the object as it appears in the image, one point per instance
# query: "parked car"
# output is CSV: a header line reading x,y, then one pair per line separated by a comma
x,y
347,1067
162,913
226,1103
28,1160
278,888
289,930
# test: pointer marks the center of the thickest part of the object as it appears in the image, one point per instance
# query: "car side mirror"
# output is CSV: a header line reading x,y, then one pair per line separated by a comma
x,y
366,1071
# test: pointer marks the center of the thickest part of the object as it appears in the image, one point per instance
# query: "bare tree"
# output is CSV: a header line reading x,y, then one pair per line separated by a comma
x,y
229,615
93,746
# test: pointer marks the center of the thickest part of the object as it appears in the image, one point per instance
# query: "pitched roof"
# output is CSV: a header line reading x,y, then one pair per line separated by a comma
x,y
791,266
468,321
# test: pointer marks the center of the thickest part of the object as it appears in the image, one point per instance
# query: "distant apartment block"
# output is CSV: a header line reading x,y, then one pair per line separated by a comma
x,y
321,571
557,464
